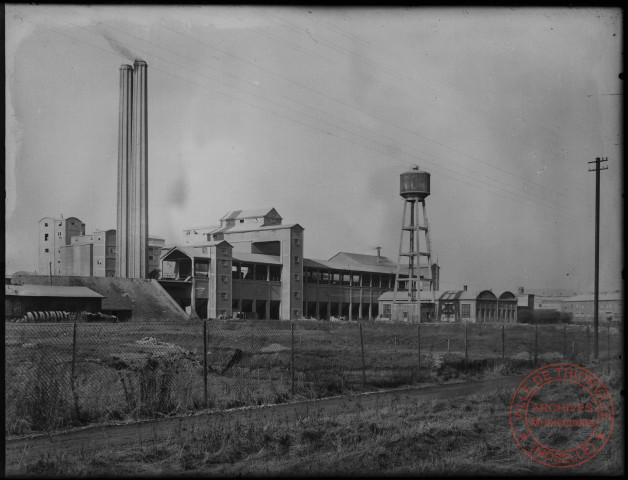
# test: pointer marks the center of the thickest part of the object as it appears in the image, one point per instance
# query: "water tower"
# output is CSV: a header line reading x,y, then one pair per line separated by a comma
x,y
415,187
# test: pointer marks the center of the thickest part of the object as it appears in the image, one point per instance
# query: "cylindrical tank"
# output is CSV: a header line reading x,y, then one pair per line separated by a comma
x,y
415,184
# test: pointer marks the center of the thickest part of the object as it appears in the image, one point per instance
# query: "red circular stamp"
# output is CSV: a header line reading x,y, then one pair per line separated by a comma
x,y
561,415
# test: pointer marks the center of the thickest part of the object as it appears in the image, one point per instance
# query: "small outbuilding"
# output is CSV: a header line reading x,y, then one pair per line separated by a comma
x,y
20,299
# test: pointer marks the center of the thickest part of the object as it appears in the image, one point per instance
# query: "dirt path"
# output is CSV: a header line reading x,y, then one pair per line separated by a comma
x,y
26,450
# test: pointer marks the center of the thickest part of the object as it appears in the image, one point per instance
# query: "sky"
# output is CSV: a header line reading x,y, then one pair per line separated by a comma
x,y
316,112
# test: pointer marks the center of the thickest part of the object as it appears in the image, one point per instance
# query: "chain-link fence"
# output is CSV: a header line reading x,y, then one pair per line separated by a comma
x,y
59,375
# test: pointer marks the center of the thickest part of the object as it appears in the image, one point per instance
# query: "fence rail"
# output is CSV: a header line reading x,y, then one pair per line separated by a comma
x,y
59,375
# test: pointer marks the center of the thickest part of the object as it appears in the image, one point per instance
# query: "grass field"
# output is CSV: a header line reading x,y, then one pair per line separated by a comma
x,y
58,377
458,436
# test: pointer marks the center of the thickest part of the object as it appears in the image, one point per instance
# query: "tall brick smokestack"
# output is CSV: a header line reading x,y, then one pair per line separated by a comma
x,y
132,221
140,176
124,161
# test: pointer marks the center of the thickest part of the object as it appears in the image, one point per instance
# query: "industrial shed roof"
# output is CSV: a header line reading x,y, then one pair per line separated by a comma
x,y
50,291
256,258
357,267
589,297
365,259
195,251
247,228
238,214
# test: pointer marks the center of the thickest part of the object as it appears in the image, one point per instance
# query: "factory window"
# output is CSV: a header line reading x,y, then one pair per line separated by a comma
x,y
204,250
297,294
225,263
296,313
187,233
47,250
223,251
241,221
223,295
58,234
45,237
296,259
466,310
99,239
60,224
45,224
99,262
297,277
151,257
73,223
386,312
297,241
223,278
112,250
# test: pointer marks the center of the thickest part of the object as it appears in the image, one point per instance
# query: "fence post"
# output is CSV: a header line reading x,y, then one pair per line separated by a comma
x,y
503,342
363,366
564,340
536,343
73,374
418,341
466,352
587,343
205,361
608,346
292,355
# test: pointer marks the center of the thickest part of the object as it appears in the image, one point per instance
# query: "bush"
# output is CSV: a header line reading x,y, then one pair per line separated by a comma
x,y
542,316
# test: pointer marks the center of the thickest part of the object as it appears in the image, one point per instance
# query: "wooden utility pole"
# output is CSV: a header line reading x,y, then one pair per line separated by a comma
x,y
597,170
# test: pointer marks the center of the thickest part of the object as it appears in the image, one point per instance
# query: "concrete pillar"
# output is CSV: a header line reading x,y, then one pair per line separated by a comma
x,y
139,188
124,159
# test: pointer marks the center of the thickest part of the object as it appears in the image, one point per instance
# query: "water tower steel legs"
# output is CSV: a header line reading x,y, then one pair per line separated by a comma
x,y
411,224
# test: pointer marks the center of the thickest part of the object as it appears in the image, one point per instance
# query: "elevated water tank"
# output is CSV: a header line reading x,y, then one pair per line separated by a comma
x,y
415,184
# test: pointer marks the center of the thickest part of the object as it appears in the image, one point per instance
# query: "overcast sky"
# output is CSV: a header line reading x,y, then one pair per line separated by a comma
x,y
316,112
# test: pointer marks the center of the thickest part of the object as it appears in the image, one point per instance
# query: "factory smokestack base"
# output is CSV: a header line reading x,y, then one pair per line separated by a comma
x,y
132,204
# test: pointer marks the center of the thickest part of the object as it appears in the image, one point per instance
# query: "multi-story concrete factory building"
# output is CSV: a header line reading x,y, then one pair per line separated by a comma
x,y
55,233
78,254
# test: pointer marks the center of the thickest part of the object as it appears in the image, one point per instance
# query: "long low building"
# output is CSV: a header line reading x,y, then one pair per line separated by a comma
x,y
452,306
582,307
252,266
21,299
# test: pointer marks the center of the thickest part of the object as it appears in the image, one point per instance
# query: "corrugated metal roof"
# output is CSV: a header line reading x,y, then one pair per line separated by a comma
x,y
247,228
363,259
425,272
50,291
256,258
329,265
195,251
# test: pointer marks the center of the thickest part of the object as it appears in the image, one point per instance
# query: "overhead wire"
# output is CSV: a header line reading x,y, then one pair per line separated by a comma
x,y
387,71
300,84
314,118
385,152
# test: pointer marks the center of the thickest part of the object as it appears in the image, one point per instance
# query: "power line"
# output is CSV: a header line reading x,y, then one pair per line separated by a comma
x,y
385,152
313,108
387,71
303,86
